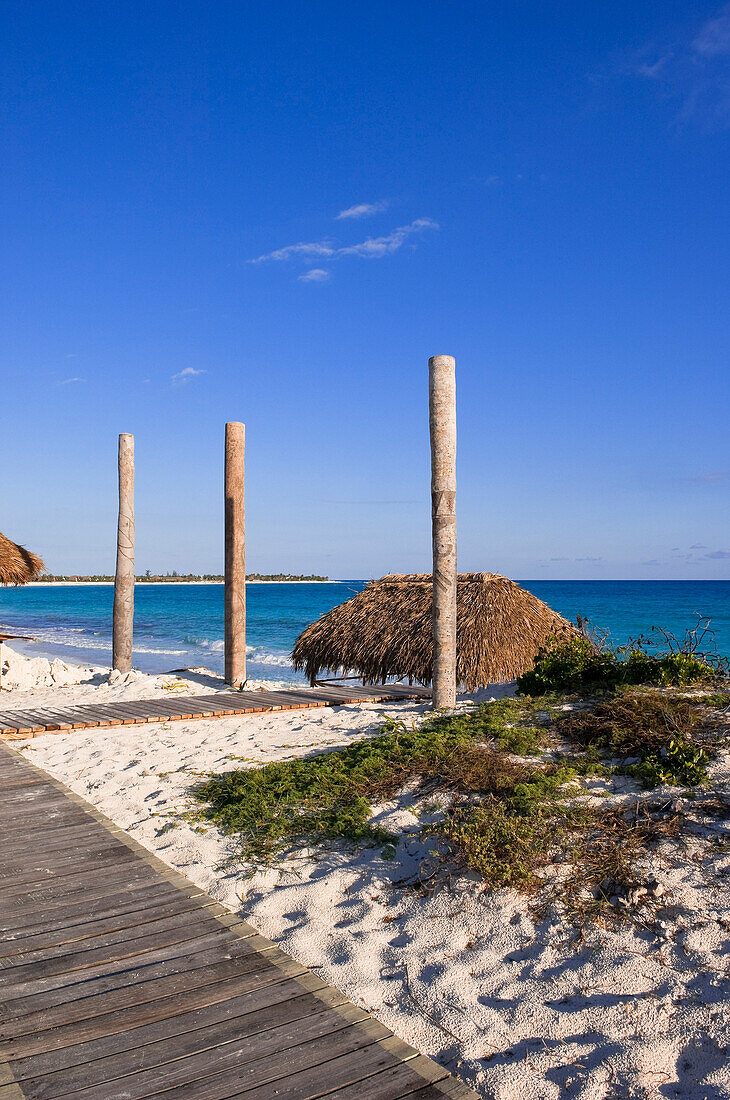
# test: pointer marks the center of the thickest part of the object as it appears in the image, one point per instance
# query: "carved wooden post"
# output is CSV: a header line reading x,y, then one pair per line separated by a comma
x,y
235,560
442,421
123,616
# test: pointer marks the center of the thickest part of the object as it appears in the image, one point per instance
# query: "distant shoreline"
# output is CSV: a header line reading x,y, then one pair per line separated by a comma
x,y
155,584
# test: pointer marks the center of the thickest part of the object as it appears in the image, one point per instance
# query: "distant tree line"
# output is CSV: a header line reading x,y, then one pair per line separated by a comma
x,y
171,578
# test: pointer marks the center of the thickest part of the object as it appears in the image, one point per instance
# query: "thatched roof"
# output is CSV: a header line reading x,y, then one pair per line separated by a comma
x,y
385,631
17,565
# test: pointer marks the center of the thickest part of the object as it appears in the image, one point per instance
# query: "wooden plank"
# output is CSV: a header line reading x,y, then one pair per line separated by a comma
x,y
274,1074
109,962
78,921
241,702
291,700
64,868
347,1075
168,980
161,1044
404,1080
72,954
20,722
118,1030
96,883
235,702
77,831
6,725
250,1060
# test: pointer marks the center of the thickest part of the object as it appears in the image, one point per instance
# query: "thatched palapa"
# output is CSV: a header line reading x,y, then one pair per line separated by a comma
x,y
17,565
385,631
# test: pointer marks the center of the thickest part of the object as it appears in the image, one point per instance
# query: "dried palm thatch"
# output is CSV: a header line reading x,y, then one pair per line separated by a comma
x,y
17,565
385,631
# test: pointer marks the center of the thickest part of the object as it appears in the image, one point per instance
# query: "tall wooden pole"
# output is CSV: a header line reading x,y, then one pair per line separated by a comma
x,y
442,422
235,563
124,581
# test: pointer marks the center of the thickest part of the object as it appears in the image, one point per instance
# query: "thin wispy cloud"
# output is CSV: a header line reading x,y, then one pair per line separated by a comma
x,y
693,71
372,248
315,275
698,546
713,37
70,381
717,555
362,210
375,247
653,69
304,249
186,375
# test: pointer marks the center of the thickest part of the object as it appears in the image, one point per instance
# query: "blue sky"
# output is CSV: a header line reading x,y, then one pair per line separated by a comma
x,y
276,212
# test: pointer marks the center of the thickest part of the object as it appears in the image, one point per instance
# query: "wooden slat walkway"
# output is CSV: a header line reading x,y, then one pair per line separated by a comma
x,y
120,980
20,724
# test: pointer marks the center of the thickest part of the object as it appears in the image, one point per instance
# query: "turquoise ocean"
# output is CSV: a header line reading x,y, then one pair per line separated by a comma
x,y
181,625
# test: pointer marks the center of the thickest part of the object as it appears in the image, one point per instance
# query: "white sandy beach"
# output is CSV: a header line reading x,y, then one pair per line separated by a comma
x,y
518,1009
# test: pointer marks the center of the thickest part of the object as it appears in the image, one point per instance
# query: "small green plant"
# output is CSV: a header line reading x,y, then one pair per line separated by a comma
x,y
568,666
501,844
680,764
578,665
521,740
717,700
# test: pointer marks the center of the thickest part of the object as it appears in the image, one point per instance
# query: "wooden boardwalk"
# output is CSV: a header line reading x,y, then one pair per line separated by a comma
x,y
20,724
120,980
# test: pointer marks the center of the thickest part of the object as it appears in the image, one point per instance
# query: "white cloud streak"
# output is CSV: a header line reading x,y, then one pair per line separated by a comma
x,y
186,375
362,210
693,71
713,37
375,247
68,381
315,275
372,248
307,250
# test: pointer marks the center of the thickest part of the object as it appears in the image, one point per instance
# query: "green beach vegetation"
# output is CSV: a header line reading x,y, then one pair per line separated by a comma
x,y
514,789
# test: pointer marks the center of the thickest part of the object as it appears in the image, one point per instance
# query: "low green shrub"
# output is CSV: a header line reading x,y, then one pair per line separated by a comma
x,y
521,740
680,764
329,795
577,665
653,725
499,843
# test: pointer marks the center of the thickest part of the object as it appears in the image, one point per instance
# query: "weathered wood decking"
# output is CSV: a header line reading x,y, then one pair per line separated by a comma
x,y
121,980
19,724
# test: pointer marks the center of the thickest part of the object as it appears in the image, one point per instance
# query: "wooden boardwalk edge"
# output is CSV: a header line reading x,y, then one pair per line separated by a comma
x,y
19,725
434,1077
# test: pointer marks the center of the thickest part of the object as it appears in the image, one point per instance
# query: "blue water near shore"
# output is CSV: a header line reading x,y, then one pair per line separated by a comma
x,y
179,626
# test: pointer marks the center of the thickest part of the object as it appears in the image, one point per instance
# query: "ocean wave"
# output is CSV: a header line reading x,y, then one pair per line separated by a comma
x,y
257,654
264,657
